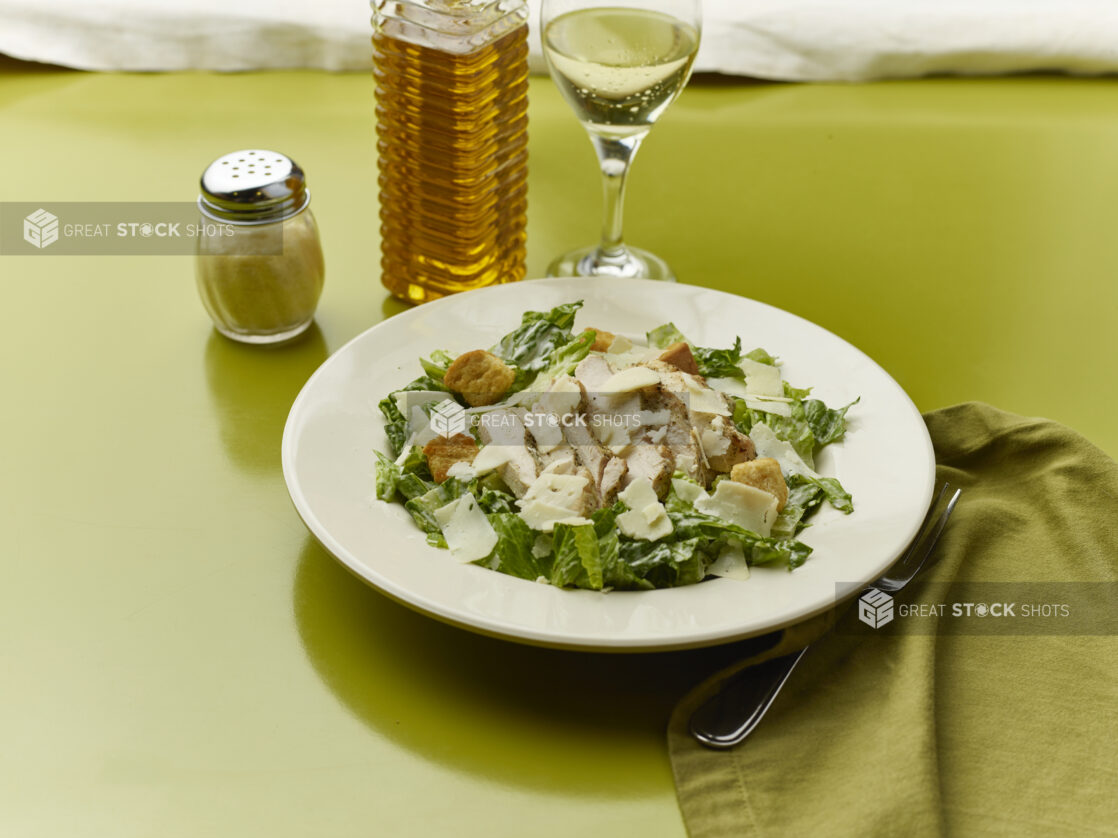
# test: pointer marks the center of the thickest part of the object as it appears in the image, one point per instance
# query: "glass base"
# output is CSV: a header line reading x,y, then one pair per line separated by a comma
x,y
627,262
270,338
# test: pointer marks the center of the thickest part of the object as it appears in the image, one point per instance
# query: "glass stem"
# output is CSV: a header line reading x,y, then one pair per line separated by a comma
x,y
614,159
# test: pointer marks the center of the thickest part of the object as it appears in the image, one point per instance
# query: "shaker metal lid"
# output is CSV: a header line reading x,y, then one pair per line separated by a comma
x,y
253,186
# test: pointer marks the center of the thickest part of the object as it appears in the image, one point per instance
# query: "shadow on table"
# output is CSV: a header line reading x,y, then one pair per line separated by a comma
x,y
252,388
393,306
542,718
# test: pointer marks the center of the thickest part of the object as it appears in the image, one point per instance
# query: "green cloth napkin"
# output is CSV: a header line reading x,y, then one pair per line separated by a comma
x,y
945,733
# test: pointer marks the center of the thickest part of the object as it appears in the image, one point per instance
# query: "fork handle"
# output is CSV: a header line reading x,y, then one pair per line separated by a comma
x,y
719,723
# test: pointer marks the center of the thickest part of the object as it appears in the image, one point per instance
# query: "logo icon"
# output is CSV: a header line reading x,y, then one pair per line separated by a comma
x,y
448,418
875,608
40,229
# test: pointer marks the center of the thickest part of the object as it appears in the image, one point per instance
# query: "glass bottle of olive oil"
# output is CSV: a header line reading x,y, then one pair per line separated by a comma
x,y
452,143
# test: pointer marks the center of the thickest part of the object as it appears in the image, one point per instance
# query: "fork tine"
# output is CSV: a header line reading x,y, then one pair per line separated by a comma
x,y
933,536
924,545
921,533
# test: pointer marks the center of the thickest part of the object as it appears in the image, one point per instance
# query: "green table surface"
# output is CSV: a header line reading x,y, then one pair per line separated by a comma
x,y
180,658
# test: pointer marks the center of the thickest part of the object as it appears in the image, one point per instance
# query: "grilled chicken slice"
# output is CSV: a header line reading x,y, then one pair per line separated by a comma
x,y
560,460
721,444
589,451
730,447
647,459
679,437
505,426
613,417
593,371
613,480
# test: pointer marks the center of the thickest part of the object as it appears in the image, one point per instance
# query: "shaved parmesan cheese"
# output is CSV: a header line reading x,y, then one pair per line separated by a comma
x,y
649,524
686,463
491,457
702,399
407,399
761,379
420,426
467,531
730,386
564,490
543,516
780,408
688,491
748,507
730,563
634,355
769,445
713,438
561,465
553,498
639,494
630,379
461,471
619,344
646,519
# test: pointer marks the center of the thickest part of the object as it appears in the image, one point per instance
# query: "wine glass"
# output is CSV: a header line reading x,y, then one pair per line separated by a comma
x,y
619,66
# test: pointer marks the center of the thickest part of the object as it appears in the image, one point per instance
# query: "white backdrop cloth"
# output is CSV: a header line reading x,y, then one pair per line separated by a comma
x,y
794,40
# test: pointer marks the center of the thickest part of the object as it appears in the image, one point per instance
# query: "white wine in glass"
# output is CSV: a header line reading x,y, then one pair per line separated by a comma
x,y
619,67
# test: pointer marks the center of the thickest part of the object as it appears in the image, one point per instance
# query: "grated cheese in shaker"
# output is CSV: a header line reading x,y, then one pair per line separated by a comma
x,y
259,263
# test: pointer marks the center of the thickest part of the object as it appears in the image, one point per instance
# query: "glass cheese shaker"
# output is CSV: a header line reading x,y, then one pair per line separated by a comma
x,y
259,262
452,143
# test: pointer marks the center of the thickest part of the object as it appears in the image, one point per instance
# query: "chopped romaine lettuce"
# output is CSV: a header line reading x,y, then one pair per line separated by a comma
x,y
760,356
712,363
578,561
437,365
530,347
514,554
597,555
664,336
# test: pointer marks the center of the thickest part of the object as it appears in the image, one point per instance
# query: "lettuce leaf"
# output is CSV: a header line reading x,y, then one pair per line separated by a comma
x,y
761,357
664,336
436,366
422,509
803,498
513,554
667,563
395,422
719,363
712,363
578,561
827,425
530,347
689,523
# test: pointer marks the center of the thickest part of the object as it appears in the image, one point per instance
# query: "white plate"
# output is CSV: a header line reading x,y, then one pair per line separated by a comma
x,y
886,462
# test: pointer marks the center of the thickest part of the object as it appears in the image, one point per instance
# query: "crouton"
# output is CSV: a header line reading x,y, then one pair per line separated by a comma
x,y
443,452
763,473
602,339
481,377
679,356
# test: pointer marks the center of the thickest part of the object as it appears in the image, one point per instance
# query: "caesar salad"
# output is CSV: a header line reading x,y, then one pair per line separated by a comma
x,y
588,459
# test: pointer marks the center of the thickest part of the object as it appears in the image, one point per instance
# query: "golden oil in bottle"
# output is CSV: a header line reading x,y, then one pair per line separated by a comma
x,y
452,143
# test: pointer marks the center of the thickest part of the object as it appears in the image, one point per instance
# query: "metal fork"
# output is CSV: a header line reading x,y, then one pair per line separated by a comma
x,y
728,717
